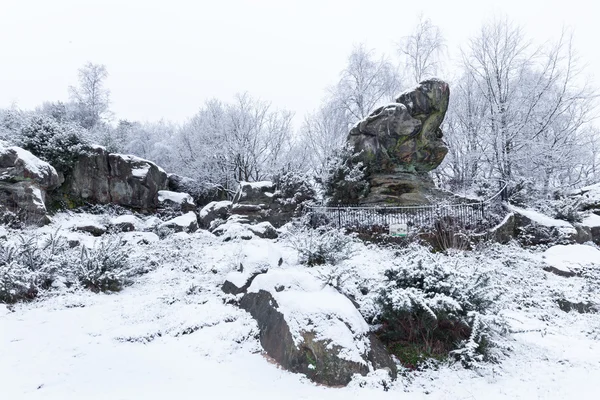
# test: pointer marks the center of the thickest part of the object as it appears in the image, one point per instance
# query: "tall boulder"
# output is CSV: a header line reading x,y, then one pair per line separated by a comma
x,y
394,148
102,177
24,180
405,136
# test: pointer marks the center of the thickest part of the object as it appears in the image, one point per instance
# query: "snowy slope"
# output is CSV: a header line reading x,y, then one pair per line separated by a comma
x,y
173,332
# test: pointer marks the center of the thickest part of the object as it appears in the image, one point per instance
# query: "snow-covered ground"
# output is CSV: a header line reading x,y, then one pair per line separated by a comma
x,y
174,333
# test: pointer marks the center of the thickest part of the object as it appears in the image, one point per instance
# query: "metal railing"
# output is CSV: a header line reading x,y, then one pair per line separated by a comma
x,y
469,215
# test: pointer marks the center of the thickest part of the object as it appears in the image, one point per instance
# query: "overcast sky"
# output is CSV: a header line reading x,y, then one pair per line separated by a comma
x,y
165,58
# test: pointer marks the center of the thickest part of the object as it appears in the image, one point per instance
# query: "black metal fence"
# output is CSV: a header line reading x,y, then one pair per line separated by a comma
x,y
467,215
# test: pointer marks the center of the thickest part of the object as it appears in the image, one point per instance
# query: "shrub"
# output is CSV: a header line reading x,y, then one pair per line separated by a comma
x,y
57,143
26,268
320,246
345,179
105,267
429,311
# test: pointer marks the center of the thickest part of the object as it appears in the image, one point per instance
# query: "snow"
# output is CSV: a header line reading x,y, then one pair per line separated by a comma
x,y
126,219
257,185
540,218
591,221
213,206
184,221
571,257
175,197
307,304
173,333
34,165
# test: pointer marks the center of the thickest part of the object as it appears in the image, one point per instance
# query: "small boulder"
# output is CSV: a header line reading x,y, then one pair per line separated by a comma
x,y
264,230
213,211
185,223
176,201
91,228
126,223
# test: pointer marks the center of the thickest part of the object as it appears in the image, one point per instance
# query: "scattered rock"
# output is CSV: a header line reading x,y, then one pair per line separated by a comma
x,y
264,230
177,201
580,307
125,223
91,228
184,223
213,211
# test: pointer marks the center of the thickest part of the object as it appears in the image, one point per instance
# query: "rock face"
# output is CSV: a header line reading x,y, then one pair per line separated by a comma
x,y
312,330
275,202
102,177
24,180
405,136
396,146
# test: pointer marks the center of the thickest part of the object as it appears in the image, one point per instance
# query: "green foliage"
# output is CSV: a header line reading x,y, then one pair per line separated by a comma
x,y
432,311
59,144
345,179
321,246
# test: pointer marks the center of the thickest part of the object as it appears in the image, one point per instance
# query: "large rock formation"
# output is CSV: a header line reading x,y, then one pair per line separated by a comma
x,y
308,328
102,177
400,142
24,180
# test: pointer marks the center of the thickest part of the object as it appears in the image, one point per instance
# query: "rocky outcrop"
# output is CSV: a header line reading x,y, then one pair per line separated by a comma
x,y
310,329
275,202
102,177
406,135
24,181
393,149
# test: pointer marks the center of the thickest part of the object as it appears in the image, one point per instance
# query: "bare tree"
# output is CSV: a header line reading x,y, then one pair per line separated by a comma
x,y
325,131
91,98
536,106
364,84
422,49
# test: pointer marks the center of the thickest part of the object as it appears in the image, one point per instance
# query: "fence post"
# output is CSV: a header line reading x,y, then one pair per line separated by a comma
x,y
339,216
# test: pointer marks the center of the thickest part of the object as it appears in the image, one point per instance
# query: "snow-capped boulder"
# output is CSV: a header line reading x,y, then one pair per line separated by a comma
x,y
24,180
589,197
126,223
313,329
567,260
276,202
102,177
213,211
185,223
176,201
91,227
264,230
533,228
592,222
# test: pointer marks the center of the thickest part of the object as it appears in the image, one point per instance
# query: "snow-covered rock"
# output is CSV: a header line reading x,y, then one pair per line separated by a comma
x,y
102,177
185,223
213,211
24,180
311,328
126,223
569,259
176,200
533,227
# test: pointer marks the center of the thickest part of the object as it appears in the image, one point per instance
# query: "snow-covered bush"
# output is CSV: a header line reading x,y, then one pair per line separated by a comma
x,y
105,267
431,310
344,180
26,267
320,246
54,142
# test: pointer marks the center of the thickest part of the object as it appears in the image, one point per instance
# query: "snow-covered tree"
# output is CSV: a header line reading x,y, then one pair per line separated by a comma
x,y
91,97
421,50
